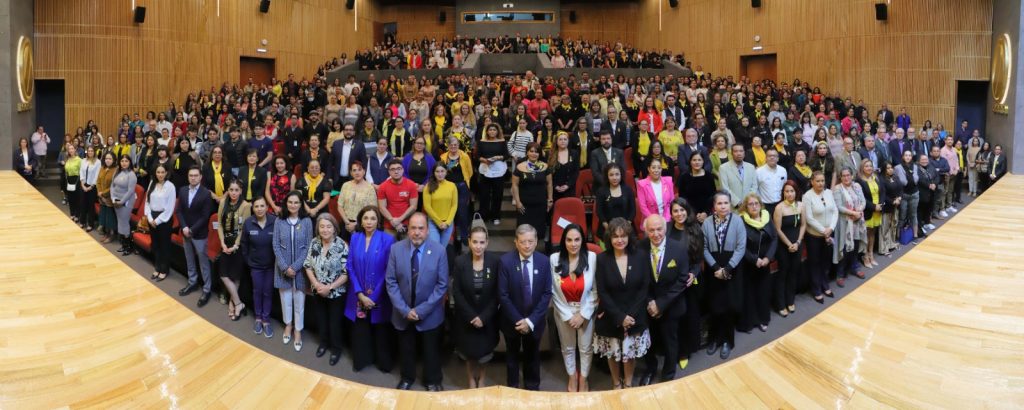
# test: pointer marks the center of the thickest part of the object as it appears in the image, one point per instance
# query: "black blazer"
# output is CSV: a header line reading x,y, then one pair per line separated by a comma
x,y
616,298
358,153
259,183
293,139
1000,166
869,203
619,135
466,308
668,291
225,175
324,158
196,217
20,164
598,161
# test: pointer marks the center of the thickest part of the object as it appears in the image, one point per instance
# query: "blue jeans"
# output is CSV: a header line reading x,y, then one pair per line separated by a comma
x,y
438,235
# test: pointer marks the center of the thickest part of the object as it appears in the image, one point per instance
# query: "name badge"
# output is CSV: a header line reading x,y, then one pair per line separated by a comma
x,y
254,233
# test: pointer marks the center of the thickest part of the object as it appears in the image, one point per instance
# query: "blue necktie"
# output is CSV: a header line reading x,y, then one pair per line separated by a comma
x,y
527,296
415,272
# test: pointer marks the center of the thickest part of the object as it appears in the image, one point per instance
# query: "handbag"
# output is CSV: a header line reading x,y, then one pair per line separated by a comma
x,y
906,235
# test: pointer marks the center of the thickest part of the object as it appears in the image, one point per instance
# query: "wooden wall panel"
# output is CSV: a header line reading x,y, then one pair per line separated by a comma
x,y
418,21
111,65
911,61
604,22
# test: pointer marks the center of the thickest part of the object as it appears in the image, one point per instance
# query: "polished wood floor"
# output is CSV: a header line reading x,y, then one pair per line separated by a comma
x,y
943,327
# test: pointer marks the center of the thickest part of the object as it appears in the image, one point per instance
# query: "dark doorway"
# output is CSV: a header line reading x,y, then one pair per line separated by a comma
x,y
50,111
971,97
759,67
261,70
391,32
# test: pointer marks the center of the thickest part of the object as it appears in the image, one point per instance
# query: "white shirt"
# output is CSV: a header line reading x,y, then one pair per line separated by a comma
x,y
161,199
658,197
192,190
346,148
770,182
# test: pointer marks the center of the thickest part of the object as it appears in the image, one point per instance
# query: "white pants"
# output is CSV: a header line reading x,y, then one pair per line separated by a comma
x,y
570,339
293,304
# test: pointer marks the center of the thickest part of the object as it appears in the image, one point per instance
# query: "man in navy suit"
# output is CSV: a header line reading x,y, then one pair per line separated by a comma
x,y
417,279
343,153
686,150
195,205
524,291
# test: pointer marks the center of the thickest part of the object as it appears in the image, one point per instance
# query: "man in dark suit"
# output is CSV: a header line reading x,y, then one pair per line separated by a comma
x,y
602,156
315,127
686,150
293,136
524,291
195,205
343,153
416,280
998,165
670,276
616,128
884,115
871,150
898,145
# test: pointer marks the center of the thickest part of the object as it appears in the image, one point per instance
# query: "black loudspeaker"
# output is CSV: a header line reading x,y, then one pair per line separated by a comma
x,y
755,4
442,16
140,14
881,11
264,6
572,16
673,3
350,4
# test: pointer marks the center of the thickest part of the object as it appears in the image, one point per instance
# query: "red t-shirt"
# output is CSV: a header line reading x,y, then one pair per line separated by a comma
x,y
399,197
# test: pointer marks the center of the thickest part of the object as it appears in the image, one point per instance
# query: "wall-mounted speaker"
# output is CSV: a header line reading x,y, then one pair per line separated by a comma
x,y
264,6
572,16
442,16
140,14
881,11
673,3
350,4
755,4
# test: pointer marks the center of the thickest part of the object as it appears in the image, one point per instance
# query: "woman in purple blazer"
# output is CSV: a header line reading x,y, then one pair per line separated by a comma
x,y
368,306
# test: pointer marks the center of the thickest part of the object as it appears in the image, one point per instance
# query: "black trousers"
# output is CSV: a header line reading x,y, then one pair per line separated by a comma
x,y
88,207
847,264
819,261
329,316
689,324
665,342
722,329
490,195
758,287
371,343
925,206
430,341
161,236
784,289
958,186
74,197
341,181
523,349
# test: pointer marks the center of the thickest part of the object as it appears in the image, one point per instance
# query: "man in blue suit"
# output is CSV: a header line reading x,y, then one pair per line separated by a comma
x,y
417,279
195,205
524,291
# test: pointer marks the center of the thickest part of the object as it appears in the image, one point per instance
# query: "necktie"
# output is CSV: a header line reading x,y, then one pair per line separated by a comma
x,y
654,263
415,271
527,296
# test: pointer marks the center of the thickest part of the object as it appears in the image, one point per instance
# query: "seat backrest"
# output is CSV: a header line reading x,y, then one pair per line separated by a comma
x,y
585,184
629,158
630,180
213,240
332,207
570,209
638,224
593,247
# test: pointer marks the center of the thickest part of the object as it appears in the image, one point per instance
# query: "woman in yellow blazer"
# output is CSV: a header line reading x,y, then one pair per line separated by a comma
x,y
460,172
440,200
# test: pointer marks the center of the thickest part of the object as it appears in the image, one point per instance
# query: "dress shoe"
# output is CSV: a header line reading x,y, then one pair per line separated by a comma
x,y
860,275
683,363
841,282
435,387
204,299
320,351
830,294
712,348
334,359
404,385
646,379
726,349
820,300
763,328
187,289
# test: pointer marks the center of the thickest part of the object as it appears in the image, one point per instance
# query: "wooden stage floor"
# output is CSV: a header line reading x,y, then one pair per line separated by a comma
x,y
943,327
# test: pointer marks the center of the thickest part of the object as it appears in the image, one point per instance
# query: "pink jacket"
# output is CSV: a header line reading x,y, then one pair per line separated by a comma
x,y
648,203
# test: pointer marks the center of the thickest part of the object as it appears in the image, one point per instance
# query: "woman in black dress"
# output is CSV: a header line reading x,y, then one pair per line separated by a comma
x,y
685,228
565,167
474,286
616,200
532,192
697,186
761,243
790,227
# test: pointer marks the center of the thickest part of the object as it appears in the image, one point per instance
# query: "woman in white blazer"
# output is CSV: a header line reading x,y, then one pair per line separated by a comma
x,y
575,299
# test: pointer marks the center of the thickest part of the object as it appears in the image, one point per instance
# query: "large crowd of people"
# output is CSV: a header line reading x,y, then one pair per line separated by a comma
x,y
435,53
715,202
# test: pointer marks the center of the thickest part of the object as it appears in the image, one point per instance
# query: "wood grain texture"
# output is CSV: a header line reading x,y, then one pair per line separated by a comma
x,y
602,22
112,65
940,328
911,61
416,21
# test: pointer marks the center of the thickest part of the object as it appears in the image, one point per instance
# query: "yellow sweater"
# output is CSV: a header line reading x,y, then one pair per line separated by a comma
x,y
442,204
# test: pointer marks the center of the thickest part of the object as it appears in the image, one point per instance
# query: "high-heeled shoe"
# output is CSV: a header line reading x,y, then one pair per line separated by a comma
x,y
231,311
820,301
240,311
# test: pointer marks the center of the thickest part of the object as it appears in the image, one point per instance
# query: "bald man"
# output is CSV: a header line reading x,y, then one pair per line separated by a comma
x,y
669,277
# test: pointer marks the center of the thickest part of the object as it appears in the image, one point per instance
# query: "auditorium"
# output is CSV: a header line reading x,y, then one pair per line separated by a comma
x,y
413,204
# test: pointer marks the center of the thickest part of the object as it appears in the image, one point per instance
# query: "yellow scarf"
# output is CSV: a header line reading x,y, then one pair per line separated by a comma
x,y
248,189
583,146
218,179
758,223
643,143
781,148
804,169
759,156
313,183
395,135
